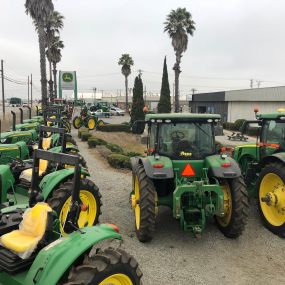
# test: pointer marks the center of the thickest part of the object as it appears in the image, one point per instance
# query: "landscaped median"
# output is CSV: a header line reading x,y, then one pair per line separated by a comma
x,y
116,156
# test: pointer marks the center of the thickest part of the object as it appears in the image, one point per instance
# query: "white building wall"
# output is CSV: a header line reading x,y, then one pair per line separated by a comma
x,y
245,110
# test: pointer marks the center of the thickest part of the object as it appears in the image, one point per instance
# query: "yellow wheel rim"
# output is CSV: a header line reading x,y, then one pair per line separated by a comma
x,y
137,200
86,218
226,218
77,122
91,124
117,279
101,123
272,186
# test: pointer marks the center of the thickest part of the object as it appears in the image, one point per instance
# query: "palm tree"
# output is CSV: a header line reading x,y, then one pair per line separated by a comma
x,y
53,27
178,25
54,56
126,61
41,11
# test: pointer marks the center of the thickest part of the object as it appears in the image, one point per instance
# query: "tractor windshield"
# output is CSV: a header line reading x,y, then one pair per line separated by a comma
x,y
183,140
273,132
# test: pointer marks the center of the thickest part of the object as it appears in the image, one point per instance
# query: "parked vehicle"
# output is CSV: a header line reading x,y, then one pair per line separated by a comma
x,y
117,111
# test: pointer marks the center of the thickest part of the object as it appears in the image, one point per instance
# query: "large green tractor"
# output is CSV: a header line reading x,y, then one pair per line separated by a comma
x,y
33,250
263,167
85,119
183,171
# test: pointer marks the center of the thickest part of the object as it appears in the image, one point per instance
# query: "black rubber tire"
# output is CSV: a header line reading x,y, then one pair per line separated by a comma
x,y
240,208
64,191
94,269
73,123
98,123
278,169
147,206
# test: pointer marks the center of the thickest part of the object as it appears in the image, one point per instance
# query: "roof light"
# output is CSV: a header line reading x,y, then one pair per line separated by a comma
x,y
158,165
188,171
209,120
280,110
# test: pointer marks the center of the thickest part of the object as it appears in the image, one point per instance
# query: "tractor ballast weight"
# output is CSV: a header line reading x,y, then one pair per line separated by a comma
x,y
263,167
184,172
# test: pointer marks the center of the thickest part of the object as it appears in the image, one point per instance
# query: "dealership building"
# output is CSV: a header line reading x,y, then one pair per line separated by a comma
x,y
239,104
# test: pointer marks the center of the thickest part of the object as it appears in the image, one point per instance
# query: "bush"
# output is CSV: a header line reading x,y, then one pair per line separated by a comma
x,y
81,130
114,128
93,142
239,123
230,126
132,153
85,136
119,161
253,131
115,148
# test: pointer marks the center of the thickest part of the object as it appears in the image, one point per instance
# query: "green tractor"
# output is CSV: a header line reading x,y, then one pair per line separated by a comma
x,y
17,177
85,119
263,167
34,251
183,171
33,119
26,126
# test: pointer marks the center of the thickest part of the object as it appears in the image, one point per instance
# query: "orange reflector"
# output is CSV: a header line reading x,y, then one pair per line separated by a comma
x,y
158,165
188,171
114,227
84,208
226,164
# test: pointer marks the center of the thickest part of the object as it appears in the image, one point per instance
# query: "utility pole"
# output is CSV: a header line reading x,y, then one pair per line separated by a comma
x,y
251,83
3,94
28,90
94,91
31,90
258,83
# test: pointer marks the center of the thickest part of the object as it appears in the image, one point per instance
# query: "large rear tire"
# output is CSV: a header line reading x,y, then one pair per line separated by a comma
x,y
90,196
110,266
271,197
91,123
144,203
236,208
77,122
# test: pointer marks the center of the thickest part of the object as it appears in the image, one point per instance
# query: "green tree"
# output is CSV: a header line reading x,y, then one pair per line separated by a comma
x,y
178,25
54,56
164,104
126,62
41,12
53,27
137,107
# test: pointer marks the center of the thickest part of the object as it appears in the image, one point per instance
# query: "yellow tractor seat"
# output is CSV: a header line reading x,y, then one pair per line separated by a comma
x,y
46,143
27,173
31,230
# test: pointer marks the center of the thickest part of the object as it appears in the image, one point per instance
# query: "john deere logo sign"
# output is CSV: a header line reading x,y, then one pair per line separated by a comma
x,y
67,77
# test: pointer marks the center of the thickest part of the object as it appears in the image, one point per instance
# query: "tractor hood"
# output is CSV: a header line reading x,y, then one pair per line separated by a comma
x,y
14,136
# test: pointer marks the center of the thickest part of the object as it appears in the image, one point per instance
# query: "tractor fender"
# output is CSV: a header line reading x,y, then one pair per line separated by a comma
x,y
276,157
52,180
166,172
216,169
56,258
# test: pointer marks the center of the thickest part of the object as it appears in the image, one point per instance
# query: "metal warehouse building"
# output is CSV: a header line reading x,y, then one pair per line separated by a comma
x,y
237,104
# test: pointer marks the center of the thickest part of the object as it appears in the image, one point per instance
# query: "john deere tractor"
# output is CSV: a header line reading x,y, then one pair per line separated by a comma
x,y
183,171
263,167
34,251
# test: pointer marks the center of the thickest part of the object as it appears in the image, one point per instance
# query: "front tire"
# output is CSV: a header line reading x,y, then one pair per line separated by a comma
x,y
236,208
90,196
271,197
144,204
91,123
110,266
77,122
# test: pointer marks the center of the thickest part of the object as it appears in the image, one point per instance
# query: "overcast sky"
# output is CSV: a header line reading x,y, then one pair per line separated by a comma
x,y
234,41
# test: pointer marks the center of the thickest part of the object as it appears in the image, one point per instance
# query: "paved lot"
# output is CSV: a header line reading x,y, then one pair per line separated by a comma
x,y
176,257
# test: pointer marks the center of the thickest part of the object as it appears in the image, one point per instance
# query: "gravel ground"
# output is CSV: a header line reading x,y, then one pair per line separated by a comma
x,y
176,257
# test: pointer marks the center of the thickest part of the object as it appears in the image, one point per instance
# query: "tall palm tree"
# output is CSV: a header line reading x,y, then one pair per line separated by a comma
x,y
178,25
41,11
53,27
126,61
54,56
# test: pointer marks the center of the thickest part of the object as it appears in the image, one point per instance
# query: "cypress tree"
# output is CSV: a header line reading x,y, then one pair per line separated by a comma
x,y
137,108
164,104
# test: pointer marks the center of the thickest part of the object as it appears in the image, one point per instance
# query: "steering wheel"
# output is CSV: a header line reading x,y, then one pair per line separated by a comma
x,y
177,135
186,146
